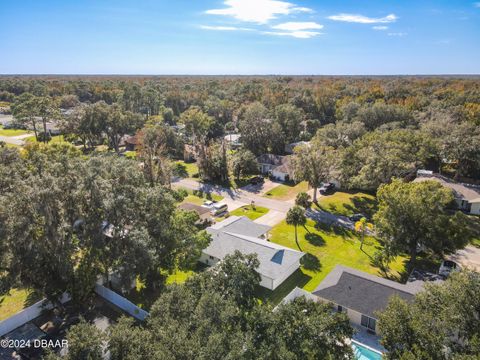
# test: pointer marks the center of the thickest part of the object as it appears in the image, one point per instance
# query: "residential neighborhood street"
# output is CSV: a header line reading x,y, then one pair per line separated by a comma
x,y
239,195
15,140
468,257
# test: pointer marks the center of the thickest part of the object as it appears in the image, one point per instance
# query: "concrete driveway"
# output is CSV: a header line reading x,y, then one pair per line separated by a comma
x,y
271,218
468,257
260,189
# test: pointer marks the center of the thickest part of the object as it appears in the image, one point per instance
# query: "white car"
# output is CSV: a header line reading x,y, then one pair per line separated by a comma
x,y
447,267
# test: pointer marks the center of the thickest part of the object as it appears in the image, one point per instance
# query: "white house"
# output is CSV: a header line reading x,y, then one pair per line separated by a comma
x,y
277,262
467,196
275,165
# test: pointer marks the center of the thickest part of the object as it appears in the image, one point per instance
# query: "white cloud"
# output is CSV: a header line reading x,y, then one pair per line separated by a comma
x,y
224,28
380,27
257,11
399,34
355,18
298,26
295,34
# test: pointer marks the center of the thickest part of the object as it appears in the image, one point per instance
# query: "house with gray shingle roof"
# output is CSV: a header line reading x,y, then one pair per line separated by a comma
x,y
467,196
277,262
360,295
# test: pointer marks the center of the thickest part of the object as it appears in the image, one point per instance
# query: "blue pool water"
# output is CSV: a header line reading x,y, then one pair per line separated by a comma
x,y
362,353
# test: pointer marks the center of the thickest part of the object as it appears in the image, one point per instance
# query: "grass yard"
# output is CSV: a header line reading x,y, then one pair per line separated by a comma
x,y
286,191
11,132
16,300
327,248
192,168
200,197
342,203
144,297
249,212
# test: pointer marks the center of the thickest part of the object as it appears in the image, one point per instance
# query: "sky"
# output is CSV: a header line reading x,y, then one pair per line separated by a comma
x,y
240,37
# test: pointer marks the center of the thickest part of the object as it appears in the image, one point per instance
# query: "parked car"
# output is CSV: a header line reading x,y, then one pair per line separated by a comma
x,y
447,267
357,217
327,188
257,180
219,209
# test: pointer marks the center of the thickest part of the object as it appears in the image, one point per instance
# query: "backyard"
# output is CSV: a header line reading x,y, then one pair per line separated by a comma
x,y
326,248
16,300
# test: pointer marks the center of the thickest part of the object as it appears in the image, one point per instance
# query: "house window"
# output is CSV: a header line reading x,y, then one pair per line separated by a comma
x,y
369,323
340,308
211,257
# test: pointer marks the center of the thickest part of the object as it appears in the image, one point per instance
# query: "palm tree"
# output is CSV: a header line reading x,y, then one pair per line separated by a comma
x,y
296,217
362,226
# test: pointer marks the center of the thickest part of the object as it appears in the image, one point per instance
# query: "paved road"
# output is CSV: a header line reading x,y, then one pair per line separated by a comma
x,y
15,140
468,257
239,195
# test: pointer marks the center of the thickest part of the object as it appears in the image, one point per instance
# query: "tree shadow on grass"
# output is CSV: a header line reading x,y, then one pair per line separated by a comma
x,y
315,239
363,205
32,298
297,279
311,262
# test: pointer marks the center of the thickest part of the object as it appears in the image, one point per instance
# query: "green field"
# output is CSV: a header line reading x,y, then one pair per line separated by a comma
x,y
11,132
342,203
286,191
326,248
247,211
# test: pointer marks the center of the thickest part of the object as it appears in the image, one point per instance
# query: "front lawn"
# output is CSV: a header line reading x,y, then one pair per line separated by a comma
x,y
286,191
249,212
342,203
11,132
200,197
192,168
326,248
16,300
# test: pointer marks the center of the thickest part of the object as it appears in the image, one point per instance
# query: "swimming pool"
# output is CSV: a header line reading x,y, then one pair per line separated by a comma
x,y
363,353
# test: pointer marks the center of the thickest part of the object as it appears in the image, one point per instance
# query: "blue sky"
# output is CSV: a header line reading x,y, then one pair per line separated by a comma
x,y
239,37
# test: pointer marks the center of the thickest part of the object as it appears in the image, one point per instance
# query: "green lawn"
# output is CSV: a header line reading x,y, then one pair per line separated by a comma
x,y
326,248
192,168
247,211
342,203
15,301
201,197
286,191
11,132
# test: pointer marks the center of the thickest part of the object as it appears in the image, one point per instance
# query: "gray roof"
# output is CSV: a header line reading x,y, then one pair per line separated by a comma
x,y
360,291
271,159
469,193
200,210
274,259
241,225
